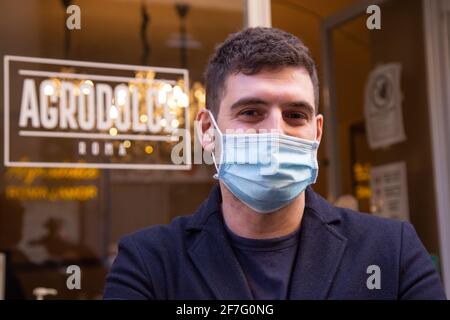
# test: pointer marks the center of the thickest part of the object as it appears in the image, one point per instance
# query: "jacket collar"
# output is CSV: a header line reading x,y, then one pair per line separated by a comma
x,y
212,205
319,253
324,210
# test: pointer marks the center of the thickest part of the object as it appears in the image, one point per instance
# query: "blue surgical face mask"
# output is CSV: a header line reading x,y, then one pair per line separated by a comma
x,y
266,171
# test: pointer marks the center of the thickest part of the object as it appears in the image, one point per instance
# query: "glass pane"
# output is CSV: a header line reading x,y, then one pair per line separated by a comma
x,y
52,218
374,106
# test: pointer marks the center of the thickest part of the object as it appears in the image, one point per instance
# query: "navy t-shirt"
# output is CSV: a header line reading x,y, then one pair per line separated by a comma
x,y
267,263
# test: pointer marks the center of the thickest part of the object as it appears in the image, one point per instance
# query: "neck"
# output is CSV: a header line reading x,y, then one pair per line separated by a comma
x,y
248,223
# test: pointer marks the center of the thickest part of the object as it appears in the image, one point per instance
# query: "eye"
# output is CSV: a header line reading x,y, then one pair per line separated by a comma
x,y
295,118
295,115
251,115
249,112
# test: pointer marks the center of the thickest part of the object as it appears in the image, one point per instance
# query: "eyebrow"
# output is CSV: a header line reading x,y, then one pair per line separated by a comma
x,y
301,104
246,101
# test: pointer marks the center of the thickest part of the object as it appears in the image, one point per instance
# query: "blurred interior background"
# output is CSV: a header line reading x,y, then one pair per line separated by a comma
x,y
52,218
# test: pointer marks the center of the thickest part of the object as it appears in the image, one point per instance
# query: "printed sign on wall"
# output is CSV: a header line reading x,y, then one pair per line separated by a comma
x,y
383,106
390,191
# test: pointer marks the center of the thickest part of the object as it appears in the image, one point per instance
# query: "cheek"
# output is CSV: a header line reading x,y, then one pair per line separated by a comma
x,y
307,132
232,123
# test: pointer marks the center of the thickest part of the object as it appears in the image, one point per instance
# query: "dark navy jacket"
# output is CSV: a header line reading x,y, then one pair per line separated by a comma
x,y
191,258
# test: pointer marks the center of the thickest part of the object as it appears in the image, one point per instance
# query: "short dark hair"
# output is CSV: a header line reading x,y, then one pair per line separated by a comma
x,y
251,50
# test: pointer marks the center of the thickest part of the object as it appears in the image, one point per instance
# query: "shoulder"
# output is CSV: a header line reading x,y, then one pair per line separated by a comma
x,y
393,245
140,268
368,232
354,225
353,221
389,238
158,236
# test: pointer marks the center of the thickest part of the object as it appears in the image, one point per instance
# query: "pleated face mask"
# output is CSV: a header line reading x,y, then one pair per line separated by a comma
x,y
266,171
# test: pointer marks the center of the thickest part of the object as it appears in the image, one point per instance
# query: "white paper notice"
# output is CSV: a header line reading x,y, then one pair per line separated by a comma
x,y
383,106
390,191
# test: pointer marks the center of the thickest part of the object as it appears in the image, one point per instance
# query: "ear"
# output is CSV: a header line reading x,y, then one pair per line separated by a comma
x,y
319,127
205,130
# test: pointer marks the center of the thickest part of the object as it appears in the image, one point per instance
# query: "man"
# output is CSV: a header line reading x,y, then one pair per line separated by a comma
x,y
263,233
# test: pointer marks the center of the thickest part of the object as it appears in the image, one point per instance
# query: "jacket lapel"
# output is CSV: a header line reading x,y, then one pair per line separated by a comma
x,y
213,255
319,254
320,250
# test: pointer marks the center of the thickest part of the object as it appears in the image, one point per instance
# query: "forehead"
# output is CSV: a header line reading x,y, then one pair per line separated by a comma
x,y
281,85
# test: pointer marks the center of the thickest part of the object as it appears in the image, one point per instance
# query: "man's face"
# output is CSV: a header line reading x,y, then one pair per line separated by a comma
x,y
281,100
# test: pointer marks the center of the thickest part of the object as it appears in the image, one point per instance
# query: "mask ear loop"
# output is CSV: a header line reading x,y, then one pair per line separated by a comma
x,y
214,123
316,161
316,143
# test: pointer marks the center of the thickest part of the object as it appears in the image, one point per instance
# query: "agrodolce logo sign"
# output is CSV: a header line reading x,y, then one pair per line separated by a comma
x,y
62,113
